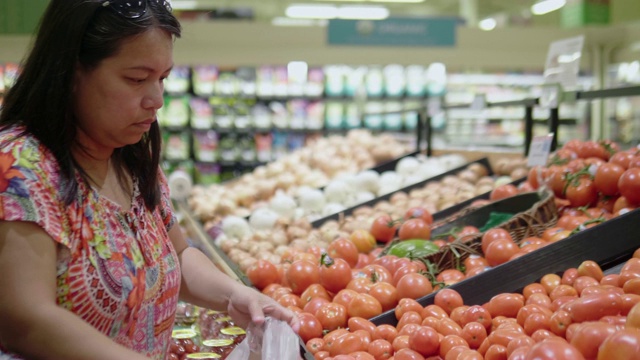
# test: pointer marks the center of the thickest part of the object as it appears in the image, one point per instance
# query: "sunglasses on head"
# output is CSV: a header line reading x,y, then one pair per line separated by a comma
x,y
133,9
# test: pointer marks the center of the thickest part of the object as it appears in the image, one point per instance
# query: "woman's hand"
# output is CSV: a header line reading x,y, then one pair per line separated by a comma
x,y
247,305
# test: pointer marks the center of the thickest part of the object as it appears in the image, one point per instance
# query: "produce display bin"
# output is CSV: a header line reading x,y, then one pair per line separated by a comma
x,y
346,212
609,244
203,241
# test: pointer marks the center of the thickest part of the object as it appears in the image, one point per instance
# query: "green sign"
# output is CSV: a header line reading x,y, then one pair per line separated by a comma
x,y
577,13
20,16
439,32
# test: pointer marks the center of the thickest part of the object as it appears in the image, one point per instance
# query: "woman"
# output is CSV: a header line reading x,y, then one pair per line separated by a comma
x,y
92,264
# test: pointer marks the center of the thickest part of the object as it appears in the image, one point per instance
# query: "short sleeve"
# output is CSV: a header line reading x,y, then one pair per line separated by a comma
x,y
166,210
29,187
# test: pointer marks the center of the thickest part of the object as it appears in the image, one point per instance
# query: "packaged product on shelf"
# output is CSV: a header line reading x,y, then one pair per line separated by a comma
x,y
410,118
178,81
247,81
334,77
201,113
352,118
334,115
296,141
355,81
223,116
314,86
242,112
279,147
175,112
177,145
315,114
279,114
261,116
263,147
393,118
228,149
206,173
374,82
298,113
204,80
394,80
297,73
170,166
373,120
247,148
227,83
265,81
205,145
415,81
281,85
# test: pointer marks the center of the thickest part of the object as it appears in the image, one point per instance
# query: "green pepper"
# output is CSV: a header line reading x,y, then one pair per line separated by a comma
x,y
413,248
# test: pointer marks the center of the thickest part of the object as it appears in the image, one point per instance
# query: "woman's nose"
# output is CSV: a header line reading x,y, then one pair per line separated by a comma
x,y
154,98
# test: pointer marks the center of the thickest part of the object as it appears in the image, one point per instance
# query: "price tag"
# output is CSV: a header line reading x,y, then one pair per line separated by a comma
x,y
539,150
479,102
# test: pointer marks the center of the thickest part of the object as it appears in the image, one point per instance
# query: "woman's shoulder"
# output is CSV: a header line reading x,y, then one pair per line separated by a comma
x,y
22,152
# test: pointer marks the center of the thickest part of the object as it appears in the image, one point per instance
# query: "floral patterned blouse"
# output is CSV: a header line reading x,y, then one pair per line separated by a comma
x,y
117,269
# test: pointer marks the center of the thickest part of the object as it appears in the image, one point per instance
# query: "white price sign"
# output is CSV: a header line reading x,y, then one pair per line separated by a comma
x,y
539,150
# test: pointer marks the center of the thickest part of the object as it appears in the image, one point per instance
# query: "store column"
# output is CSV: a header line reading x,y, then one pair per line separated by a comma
x,y
469,12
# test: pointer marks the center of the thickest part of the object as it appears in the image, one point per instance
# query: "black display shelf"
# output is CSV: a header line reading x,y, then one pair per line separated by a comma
x,y
346,212
609,244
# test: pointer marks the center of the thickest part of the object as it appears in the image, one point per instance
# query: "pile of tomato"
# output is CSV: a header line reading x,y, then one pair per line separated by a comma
x,y
580,314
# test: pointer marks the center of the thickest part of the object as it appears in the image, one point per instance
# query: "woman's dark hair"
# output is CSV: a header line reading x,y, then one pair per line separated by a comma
x,y
82,33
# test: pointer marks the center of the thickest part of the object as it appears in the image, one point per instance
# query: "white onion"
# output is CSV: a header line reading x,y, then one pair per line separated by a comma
x,y
235,227
407,166
263,219
312,200
337,191
284,205
368,180
332,208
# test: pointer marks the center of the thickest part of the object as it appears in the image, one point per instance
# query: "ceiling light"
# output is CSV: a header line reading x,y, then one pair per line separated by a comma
x,y
363,12
547,6
304,11
488,24
398,1
286,21
184,5
308,11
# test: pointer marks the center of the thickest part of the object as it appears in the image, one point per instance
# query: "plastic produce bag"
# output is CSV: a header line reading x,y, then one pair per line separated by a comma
x,y
274,339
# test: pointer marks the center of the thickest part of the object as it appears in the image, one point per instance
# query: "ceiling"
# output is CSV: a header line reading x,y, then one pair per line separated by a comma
x,y
266,10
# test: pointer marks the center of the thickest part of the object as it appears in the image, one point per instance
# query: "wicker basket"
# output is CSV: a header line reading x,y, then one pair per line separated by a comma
x,y
534,213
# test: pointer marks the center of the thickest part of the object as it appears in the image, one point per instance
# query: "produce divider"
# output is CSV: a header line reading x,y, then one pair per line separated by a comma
x,y
483,161
391,164
608,244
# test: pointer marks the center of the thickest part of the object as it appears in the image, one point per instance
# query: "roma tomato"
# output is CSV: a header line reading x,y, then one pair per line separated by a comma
x,y
310,327
364,306
629,185
414,229
624,344
554,349
384,228
414,286
589,336
386,294
448,299
425,341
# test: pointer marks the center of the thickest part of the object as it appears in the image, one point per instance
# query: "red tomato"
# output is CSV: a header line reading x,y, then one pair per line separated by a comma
x,y
407,354
314,304
310,327
315,345
409,317
629,185
406,305
386,332
606,178
496,352
593,307
343,248
364,306
384,228
386,294
590,268
332,316
448,342
262,274
476,313
425,341
344,297
301,275
505,304
335,274
503,191
589,336
419,212
494,234
347,344
582,193
414,286
414,229
622,158
380,349
500,251
624,344
474,333
448,299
